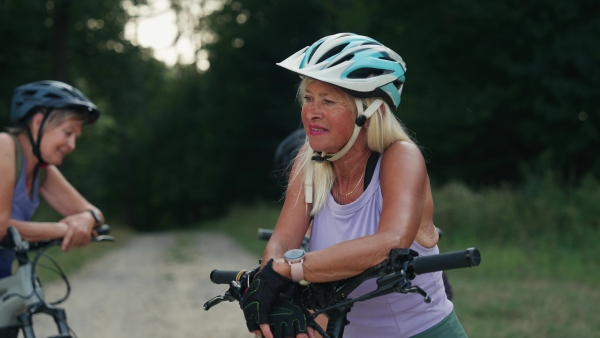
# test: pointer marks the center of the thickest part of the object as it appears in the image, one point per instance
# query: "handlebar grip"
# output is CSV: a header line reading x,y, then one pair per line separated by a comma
x,y
264,234
103,229
225,276
12,240
446,261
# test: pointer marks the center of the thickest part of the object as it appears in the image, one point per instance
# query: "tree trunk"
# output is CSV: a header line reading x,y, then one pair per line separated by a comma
x,y
60,38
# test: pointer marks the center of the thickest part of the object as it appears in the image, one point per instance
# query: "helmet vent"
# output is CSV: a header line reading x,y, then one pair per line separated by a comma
x,y
52,96
345,58
333,51
364,73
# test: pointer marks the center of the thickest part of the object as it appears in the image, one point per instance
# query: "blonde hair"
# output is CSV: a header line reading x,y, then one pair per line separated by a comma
x,y
56,117
384,129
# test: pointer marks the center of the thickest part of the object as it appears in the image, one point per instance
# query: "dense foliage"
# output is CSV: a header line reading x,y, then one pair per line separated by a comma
x,y
494,90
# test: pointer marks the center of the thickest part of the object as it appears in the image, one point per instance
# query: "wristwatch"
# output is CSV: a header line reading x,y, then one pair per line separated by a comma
x,y
295,258
96,217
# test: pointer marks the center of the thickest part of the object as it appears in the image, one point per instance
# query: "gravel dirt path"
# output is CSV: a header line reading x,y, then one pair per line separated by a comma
x,y
153,286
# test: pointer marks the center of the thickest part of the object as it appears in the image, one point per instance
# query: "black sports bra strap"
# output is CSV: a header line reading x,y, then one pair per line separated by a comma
x,y
371,165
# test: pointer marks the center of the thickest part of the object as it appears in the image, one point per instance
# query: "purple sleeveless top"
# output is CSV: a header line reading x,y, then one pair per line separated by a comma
x,y
22,209
393,315
23,206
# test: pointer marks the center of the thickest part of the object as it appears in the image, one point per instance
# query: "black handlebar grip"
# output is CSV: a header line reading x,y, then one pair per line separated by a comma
x,y
446,261
225,276
12,240
264,234
103,229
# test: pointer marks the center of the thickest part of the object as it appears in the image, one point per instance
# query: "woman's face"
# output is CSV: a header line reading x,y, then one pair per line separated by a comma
x,y
328,116
60,141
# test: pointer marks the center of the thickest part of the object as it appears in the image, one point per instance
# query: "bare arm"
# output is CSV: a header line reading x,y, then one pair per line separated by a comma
x,y
404,184
67,201
292,224
7,180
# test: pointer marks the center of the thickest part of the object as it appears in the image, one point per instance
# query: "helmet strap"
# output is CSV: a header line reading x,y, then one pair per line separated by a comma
x,y
320,156
36,145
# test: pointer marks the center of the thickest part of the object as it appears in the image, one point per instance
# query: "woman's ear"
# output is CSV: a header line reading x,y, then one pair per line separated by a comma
x,y
36,123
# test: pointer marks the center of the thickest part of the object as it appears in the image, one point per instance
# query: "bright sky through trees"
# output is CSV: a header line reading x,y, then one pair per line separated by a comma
x,y
174,39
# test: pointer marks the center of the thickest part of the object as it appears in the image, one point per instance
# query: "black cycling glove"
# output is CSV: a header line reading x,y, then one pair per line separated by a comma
x,y
261,295
287,319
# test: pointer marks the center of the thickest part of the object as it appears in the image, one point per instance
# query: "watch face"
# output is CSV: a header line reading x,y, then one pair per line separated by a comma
x,y
293,254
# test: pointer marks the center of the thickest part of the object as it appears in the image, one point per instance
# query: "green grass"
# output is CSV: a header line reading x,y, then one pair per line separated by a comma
x,y
510,307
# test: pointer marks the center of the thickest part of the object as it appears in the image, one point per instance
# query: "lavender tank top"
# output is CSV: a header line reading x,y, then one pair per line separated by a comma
x,y
393,315
22,209
23,206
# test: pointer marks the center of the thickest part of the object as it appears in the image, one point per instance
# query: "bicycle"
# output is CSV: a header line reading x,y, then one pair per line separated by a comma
x,y
331,299
22,294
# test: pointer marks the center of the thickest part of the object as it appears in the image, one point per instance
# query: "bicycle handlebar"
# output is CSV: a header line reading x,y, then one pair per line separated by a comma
x,y
418,265
331,298
400,259
446,261
14,241
226,276
264,234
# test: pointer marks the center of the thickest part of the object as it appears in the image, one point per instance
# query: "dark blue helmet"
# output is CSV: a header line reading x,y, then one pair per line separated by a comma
x,y
288,149
50,94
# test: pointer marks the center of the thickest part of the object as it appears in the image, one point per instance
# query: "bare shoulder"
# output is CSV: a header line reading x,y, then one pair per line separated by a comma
x,y
403,164
402,153
7,162
7,146
404,146
6,137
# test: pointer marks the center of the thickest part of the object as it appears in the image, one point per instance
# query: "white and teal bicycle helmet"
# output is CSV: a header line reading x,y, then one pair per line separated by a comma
x,y
359,65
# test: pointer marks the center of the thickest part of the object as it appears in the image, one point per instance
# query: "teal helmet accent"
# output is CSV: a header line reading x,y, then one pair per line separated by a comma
x,y
360,65
53,95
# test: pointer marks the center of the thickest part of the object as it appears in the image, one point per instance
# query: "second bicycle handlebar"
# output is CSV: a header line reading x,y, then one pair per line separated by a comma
x,y
14,241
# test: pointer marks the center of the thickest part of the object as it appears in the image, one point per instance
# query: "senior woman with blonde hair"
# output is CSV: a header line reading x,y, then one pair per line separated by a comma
x,y
363,184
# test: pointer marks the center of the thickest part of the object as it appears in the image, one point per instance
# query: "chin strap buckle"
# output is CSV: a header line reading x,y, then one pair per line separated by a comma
x,y
317,157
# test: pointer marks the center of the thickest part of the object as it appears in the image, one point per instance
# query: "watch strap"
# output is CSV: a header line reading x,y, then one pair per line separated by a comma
x,y
96,216
297,270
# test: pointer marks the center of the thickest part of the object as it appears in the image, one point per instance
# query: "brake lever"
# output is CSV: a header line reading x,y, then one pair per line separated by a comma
x,y
103,238
233,294
216,300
